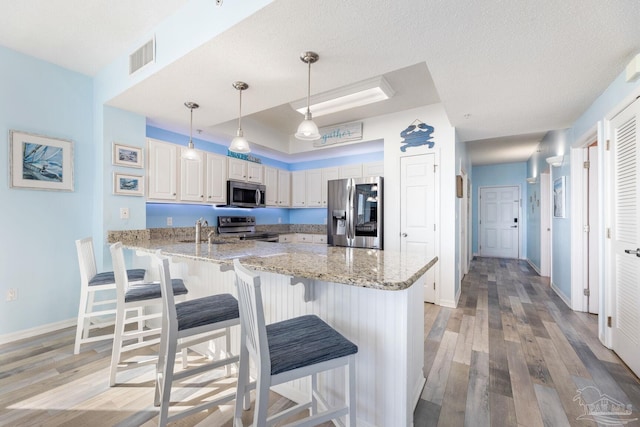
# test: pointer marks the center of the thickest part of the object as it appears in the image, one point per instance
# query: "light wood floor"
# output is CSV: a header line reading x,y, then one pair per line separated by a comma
x,y
511,354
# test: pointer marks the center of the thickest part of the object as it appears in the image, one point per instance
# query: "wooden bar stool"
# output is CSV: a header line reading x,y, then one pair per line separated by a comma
x,y
285,351
185,324
91,311
134,298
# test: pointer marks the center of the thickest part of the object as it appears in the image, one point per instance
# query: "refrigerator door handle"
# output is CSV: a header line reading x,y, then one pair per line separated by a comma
x,y
350,211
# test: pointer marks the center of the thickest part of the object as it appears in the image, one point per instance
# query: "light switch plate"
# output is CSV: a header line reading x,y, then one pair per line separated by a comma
x,y
124,213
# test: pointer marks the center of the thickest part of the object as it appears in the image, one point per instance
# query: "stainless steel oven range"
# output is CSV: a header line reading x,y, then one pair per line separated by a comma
x,y
243,227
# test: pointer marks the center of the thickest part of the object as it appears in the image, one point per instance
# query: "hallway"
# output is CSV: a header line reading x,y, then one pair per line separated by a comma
x,y
513,353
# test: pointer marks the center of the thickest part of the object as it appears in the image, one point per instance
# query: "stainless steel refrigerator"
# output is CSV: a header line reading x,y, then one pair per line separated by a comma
x,y
354,212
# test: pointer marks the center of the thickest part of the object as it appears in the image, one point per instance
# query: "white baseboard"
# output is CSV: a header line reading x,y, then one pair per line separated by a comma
x,y
562,296
38,330
532,265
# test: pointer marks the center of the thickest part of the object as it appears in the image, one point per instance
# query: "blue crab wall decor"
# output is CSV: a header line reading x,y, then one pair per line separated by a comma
x,y
416,135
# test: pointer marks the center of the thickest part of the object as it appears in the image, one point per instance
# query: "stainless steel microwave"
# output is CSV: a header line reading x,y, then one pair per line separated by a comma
x,y
245,194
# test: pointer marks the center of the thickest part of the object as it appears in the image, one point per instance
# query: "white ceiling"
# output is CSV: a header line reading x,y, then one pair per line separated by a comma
x,y
505,71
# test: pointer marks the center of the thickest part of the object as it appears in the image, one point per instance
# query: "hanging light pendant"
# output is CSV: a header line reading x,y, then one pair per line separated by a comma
x,y
239,144
308,130
190,153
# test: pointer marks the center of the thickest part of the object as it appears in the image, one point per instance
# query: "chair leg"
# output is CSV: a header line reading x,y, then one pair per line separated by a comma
x,y
167,380
242,391
314,391
117,345
350,394
227,348
140,312
81,321
262,399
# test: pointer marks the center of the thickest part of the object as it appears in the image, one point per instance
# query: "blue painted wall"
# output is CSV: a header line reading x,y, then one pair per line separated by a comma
x,y
497,175
38,228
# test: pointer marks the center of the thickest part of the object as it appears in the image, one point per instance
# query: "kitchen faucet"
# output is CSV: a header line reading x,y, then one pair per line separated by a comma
x,y
199,223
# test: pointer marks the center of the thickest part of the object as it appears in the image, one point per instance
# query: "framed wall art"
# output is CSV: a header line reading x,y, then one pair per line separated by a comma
x,y
125,155
40,162
559,197
128,185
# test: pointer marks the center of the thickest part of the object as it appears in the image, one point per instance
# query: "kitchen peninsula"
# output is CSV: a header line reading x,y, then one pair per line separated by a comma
x,y
375,298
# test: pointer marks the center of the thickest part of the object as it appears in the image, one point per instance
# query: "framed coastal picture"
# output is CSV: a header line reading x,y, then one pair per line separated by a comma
x,y
559,197
40,162
128,185
125,155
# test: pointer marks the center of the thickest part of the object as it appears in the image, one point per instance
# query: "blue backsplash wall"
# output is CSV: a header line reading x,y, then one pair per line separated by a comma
x,y
186,215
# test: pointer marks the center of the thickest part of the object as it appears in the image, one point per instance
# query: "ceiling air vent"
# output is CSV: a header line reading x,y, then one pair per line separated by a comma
x,y
142,56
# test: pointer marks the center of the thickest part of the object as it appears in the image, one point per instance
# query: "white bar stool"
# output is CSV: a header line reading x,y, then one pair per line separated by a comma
x,y
285,351
92,311
185,324
134,298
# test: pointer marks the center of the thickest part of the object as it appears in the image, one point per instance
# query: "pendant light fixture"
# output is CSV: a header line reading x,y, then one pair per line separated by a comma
x,y
239,144
308,130
190,153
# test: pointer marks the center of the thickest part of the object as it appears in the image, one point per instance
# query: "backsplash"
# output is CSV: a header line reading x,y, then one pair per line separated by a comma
x,y
186,233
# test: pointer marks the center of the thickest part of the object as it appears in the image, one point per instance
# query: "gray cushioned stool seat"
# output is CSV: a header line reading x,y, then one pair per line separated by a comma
x,y
206,310
304,341
152,290
134,275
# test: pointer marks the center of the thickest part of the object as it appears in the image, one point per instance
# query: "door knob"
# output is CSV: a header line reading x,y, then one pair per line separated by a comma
x,y
404,234
514,226
631,251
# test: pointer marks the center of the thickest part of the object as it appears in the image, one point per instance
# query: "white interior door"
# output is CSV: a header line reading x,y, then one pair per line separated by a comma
x,y
625,230
417,212
499,221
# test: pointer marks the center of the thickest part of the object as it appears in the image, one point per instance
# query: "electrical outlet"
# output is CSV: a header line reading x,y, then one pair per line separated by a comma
x,y
12,294
279,220
124,213
169,220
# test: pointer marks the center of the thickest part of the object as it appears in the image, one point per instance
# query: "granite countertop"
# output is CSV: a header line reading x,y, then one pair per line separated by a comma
x,y
385,270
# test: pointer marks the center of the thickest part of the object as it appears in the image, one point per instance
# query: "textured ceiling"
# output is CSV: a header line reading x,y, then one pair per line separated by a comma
x,y
505,71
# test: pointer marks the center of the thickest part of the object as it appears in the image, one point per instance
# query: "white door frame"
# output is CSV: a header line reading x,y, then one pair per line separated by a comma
x,y
545,224
579,199
464,226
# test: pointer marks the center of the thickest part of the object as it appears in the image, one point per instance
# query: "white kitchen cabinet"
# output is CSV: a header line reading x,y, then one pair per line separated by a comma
x,y
284,188
313,187
327,175
287,238
298,189
242,170
351,171
373,169
278,183
237,169
319,239
162,170
304,238
192,178
271,184
254,172
216,182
